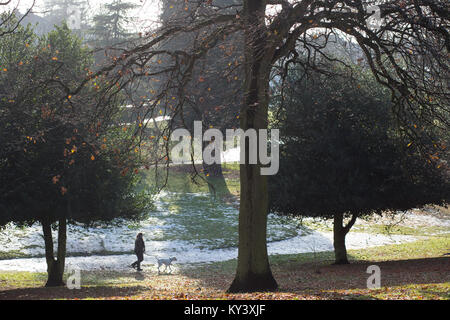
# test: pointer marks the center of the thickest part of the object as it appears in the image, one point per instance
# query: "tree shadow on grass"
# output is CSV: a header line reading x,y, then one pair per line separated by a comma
x,y
393,273
297,279
95,292
337,279
94,285
324,280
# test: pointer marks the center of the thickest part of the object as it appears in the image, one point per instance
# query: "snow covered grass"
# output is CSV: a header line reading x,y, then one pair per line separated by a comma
x,y
186,222
192,225
423,222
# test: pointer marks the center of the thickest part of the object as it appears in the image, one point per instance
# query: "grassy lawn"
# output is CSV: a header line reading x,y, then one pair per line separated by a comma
x,y
417,270
180,179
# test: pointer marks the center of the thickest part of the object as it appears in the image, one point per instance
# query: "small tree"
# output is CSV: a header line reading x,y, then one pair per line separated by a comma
x,y
341,156
60,159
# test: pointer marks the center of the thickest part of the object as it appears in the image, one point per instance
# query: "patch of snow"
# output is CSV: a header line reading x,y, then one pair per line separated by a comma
x,y
413,218
323,241
167,234
187,253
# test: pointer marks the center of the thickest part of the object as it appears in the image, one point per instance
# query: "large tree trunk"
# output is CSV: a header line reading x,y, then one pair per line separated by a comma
x,y
55,272
253,270
339,233
340,251
55,267
213,172
214,175
216,180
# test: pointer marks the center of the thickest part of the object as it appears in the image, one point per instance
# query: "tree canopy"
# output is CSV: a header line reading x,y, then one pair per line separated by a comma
x,y
62,156
342,154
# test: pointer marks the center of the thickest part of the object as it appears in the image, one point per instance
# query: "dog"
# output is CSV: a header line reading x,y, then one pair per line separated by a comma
x,y
166,262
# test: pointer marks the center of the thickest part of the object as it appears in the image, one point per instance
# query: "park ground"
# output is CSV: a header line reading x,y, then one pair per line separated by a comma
x,y
418,270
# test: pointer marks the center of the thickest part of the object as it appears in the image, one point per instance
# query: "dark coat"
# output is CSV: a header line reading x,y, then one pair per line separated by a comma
x,y
139,246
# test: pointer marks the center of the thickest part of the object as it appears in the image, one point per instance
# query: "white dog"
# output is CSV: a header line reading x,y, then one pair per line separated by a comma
x,y
166,262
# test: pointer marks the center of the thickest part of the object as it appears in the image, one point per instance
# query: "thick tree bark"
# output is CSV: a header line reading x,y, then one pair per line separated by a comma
x,y
62,244
55,272
216,181
253,270
55,267
339,233
340,251
214,176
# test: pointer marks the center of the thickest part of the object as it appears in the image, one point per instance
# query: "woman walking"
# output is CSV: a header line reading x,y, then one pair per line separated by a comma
x,y
139,249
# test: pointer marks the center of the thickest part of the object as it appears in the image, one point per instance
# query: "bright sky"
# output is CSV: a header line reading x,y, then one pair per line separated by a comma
x,y
146,15
147,12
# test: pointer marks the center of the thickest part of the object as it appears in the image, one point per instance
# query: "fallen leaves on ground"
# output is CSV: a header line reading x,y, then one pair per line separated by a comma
x,y
406,279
